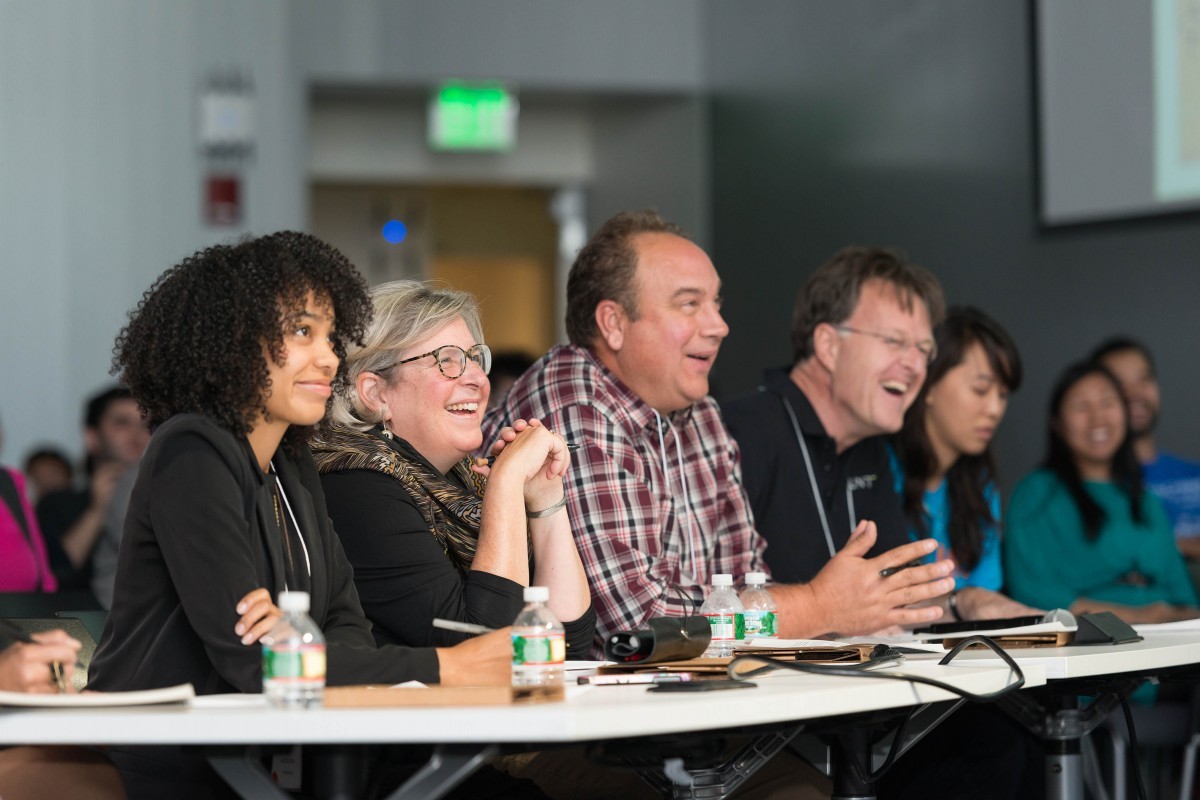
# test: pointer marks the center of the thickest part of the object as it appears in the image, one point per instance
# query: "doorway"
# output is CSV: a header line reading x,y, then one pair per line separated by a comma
x,y
501,243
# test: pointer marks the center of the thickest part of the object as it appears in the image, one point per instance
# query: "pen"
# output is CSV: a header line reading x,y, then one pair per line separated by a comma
x,y
637,677
461,627
490,460
883,573
56,668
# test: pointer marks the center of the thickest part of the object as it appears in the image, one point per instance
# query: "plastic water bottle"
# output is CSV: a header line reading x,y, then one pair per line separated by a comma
x,y
724,612
762,615
294,656
538,645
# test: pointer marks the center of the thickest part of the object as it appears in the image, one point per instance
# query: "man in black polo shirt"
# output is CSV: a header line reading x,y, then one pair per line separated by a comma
x,y
862,339
815,464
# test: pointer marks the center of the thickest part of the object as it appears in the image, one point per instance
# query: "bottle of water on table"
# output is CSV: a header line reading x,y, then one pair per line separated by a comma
x,y
762,615
725,617
539,647
294,656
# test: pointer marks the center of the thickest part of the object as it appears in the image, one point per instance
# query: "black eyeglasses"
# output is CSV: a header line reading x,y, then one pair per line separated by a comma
x,y
898,343
452,359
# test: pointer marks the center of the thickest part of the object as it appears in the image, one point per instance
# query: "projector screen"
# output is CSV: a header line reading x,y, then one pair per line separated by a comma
x,y
1118,108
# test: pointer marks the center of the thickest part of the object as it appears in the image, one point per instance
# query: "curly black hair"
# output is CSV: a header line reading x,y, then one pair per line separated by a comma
x,y
195,341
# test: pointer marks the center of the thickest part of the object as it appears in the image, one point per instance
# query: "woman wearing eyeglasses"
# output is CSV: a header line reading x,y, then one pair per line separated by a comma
x,y
409,505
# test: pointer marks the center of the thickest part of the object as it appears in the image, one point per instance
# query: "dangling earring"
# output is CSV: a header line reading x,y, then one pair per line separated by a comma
x,y
386,433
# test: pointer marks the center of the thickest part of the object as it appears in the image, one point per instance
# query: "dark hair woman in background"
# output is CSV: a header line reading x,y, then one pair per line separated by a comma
x,y
1082,531
945,451
234,354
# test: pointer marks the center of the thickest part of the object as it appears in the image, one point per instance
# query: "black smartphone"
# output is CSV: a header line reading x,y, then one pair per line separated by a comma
x,y
981,624
701,686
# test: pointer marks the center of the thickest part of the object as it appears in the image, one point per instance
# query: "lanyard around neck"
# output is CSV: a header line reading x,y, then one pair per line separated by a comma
x,y
812,476
299,533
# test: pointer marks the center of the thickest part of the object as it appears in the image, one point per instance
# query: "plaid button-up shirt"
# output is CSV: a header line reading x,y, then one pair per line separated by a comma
x,y
656,503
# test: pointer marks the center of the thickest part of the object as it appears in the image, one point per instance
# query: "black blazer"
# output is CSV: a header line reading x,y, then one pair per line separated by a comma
x,y
199,534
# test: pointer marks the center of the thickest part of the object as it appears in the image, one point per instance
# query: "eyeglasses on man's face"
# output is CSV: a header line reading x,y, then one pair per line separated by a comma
x,y
452,359
898,343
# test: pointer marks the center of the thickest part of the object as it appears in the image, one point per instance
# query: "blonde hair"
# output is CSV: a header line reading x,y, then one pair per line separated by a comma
x,y
405,313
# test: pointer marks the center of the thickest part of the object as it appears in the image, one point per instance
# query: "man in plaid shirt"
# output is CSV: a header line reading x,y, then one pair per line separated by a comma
x,y
655,493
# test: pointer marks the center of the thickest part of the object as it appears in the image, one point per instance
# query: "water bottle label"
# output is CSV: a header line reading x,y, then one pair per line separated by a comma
x,y
762,624
300,664
549,649
727,627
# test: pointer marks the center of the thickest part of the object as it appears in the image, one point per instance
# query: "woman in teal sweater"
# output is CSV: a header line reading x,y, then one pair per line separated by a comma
x,y
1082,532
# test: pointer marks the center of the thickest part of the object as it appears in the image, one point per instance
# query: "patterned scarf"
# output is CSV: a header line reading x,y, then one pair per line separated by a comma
x,y
451,511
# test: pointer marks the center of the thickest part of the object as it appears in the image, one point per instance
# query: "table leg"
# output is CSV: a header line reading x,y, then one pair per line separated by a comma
x,y
851,765
446,768
240,768
1064,770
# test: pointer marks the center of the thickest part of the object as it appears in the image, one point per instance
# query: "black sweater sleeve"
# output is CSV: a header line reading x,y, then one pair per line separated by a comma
x,y
403,576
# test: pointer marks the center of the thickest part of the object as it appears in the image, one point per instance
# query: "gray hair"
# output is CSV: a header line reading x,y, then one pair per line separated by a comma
x,y
405,313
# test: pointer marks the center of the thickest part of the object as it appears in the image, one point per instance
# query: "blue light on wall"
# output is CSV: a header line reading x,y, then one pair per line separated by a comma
x,y
394,231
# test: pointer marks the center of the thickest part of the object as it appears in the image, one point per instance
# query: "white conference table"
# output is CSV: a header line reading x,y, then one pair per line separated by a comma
x,y
1081,670
591,713
1157,651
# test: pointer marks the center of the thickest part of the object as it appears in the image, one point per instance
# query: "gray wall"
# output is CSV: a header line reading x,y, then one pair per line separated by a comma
x,y
910,123
101,179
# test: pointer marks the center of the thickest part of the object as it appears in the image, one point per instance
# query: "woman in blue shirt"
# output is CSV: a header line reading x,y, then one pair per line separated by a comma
x,y
945,453
1083,533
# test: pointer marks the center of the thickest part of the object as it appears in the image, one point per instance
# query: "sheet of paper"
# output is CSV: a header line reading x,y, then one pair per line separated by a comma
x,y
170,694
1181,626
1045,627
753,644
578,666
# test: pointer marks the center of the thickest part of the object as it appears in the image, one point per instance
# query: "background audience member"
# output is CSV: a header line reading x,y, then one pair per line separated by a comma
x,y
48,470
24,564
227,510
948,473
115,435
423,538
106,553
1175,481
1083,533
37,772
507,366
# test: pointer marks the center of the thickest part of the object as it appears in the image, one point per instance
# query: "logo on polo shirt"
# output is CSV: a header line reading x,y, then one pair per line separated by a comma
x,y
859,482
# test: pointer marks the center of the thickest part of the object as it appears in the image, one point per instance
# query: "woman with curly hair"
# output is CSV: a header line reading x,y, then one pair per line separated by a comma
x,y
233,354
408,503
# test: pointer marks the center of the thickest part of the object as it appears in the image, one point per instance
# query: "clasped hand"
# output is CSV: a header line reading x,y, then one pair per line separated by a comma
x,y
531,452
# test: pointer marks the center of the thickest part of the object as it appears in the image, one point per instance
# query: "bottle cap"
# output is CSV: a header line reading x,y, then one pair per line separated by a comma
x,y
756,578
536,594
293,601
722,579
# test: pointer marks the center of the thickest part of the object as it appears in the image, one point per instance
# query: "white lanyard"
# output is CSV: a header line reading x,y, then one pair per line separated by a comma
x,y
299,533
812,480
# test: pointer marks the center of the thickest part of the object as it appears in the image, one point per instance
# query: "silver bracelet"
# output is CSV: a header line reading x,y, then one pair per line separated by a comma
x,y
952,604
548,511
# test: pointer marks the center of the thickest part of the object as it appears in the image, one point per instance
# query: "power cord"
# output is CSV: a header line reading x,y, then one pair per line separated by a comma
x,y
1133,747
883,655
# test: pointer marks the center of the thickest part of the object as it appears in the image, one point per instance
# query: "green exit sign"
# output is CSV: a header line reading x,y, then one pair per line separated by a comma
x,y
480,116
